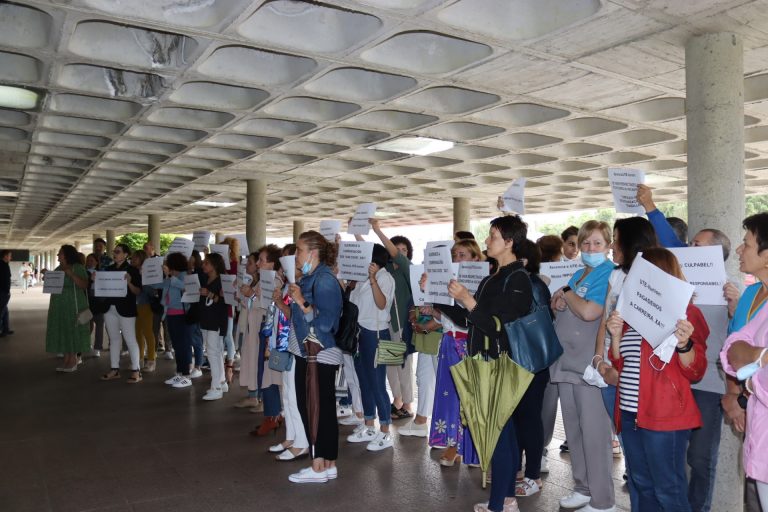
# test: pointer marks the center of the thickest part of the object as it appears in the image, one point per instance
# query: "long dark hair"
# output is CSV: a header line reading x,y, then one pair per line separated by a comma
x,y
635,234
217,262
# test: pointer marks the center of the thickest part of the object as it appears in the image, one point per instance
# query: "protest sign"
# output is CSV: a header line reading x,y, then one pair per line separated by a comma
x,y
419,295
243,277
289,267
514,197
624,182
330,228
267,283
437,265
243,243
704,268
560,272
470,274
191,288
359,224
354,259
110,284
183,245
54,282
222,249
228,288
201,239
152,271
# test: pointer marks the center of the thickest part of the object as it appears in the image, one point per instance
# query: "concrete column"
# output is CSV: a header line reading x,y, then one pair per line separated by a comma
x,y
153,230
298,229
51,260
714,75
94,236
111,241
256,213
461,214
77,245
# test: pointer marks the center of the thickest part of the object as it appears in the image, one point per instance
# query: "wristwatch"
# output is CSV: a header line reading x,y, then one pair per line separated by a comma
x,y
566,289
742,400
306,305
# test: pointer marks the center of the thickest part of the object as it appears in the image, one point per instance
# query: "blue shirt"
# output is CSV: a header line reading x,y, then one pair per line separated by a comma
x,y
664,231
594,287
173,289
323,292
740,319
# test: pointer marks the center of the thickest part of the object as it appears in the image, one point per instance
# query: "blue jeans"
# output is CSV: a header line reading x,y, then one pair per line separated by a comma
x,y
373,381
702,450
197,343
269,394
609,398
180,338
656,464
504,466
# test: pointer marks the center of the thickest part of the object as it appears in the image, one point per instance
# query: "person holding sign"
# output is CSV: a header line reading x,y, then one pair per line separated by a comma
x,y
249,351
120,317
578,311
505,295
655,408
213,324
145,334
373,299
229,340
64,334
315,313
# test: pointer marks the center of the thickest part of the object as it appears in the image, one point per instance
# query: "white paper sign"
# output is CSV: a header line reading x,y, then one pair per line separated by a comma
x,y
54,282
191,288
330,228
471,273
419,296
240,237
182,245
624,182
514,197
354,259
110,284
267,281
704,268
228,288
652,301
560,272
152,271
201,239
437,265
359,224
289,267
222,249
243,277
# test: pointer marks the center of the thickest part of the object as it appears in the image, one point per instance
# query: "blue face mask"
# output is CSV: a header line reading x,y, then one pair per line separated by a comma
x,y
306,267
593,259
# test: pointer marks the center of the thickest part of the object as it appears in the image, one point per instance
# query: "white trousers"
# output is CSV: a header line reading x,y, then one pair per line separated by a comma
x,y
294,428
127,325
350,375
426,374
214,349
762,492
401,380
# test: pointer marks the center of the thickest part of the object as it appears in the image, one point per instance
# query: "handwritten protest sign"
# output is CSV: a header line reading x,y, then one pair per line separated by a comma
x,y
652,301
437,265
624,182
514,197
110,284
354,259
560,272
54,282
359,224
704,268
191,288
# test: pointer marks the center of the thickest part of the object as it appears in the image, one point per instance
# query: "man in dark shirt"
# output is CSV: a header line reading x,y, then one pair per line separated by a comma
x,y
5,292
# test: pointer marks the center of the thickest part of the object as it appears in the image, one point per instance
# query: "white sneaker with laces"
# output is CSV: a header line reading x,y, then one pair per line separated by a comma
x,y
333,473
413,429
214,394
183,382
362,434
544,465
94,353
195,373
350,420
590,508
168,355
382,441
575,500
309,475
224,387
342,411
173,380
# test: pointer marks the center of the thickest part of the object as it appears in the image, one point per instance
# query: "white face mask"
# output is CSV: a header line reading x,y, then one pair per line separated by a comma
x,y
593,377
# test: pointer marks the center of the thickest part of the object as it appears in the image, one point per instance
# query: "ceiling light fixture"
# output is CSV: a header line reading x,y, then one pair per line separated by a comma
x,y
421,146
16,97
215,204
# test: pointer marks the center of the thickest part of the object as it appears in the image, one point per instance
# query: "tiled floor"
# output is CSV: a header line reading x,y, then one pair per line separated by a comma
x,y
69,442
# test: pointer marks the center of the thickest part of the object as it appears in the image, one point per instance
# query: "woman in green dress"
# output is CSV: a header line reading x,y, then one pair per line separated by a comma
x,y
64,333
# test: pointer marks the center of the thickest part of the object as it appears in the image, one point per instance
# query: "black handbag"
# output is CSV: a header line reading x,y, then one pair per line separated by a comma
x,y
348,332
192,313
533,343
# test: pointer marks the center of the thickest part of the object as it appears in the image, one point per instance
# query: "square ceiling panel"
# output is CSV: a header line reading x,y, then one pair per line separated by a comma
x,y
189,118
273,127
205,14
81,125
218,96
448,100
358,84
391,120
584,127
110,81
254,66
521,114
164,133
243,141
426,52
67,139
145,146
461,131
16,67
93,107
308,26
311,109
349,136
24,27
523,140
14,117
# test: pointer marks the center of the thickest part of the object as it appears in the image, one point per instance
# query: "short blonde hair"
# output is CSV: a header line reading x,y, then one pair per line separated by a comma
x,y
470,245
591,226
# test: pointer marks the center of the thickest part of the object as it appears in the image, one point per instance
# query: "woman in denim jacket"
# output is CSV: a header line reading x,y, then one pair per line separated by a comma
x,y
317,304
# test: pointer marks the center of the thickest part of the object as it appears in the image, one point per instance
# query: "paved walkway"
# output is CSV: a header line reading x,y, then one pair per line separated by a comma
x,y
69,442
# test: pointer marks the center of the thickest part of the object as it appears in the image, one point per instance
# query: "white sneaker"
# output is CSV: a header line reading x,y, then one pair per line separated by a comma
x,y
544,465
214,394
195,373
333,473
575,500
362,434
224,387
381,442
94,353
169,355
183,382
342,411
414,430
350,420
590,508
124,353
173,380
308,475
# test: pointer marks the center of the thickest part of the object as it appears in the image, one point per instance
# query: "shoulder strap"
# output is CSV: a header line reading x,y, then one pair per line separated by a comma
x,y
535,302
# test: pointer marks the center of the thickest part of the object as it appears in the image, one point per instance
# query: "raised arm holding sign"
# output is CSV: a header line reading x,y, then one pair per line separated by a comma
x,y
359,224
624,182
201,239
330,228
183,245
513,199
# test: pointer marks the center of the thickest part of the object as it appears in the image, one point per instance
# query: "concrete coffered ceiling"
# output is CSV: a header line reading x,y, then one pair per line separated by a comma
x,y
150,105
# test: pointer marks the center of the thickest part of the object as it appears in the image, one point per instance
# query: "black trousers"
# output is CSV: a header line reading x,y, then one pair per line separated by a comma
x,y
528,424
327,443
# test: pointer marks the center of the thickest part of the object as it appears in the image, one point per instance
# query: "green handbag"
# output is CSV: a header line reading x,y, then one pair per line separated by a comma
x,y
390,353
427,343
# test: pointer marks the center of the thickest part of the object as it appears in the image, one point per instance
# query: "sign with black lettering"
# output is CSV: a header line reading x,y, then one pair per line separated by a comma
x,y
354,259
704,268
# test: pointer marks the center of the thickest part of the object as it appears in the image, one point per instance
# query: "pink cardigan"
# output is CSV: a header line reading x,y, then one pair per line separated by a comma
x,y
756,441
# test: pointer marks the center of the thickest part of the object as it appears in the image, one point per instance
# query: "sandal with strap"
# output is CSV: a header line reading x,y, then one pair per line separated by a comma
x,y
134,378
526,487
229,371
111,375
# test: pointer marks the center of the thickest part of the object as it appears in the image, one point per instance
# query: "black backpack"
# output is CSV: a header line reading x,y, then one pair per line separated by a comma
x,y
348,332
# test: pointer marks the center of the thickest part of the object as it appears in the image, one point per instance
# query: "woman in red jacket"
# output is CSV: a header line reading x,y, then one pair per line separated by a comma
x,y
655,409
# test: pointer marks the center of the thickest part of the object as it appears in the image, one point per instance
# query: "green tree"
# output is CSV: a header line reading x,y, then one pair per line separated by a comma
x,y
136,241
